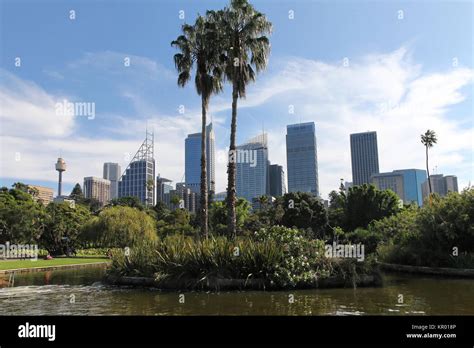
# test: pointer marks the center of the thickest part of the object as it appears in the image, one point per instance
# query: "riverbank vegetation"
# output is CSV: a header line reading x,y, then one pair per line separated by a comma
x,y
282,241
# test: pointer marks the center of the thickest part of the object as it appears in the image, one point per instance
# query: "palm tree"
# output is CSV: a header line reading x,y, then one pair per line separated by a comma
x,y
246,49
428,139
197,48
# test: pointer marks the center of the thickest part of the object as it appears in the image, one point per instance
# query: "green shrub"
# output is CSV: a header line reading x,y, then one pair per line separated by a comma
x,y
120,226
428,236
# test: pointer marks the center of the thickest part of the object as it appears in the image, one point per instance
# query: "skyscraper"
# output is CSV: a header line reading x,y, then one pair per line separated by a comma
x,y
412,182
406,183
97,188
364,157
302,158
138,179
192,160
112,173
251,158
277,180
440,184
163,189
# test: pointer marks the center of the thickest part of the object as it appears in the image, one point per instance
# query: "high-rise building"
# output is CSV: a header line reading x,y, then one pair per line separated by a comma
x,y
251,158
163,189
44,194
412,182
187,196
389,181
138,180
302,158
451,183
97,188
440,184
277,180
112,173
192,160
364,157
406,183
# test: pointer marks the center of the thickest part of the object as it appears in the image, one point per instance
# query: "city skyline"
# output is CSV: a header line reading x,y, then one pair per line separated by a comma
x,y
392,81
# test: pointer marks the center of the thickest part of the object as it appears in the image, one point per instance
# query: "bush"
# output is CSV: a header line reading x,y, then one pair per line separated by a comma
x,y
427,236
120,226
278,254
370,238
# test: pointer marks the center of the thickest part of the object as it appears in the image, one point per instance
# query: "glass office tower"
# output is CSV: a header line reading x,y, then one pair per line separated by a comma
x,y
302,158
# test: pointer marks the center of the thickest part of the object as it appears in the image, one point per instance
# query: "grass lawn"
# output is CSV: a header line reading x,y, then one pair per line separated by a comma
x,y
7,264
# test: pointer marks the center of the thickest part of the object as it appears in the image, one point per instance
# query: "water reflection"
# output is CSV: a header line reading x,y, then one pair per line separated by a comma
x,y
49,293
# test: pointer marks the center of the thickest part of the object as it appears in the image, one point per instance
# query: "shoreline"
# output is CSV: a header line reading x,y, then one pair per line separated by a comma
x,y
217,284
441,271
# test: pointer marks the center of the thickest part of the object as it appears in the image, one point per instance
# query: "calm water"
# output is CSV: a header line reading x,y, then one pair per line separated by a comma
x,y
49,293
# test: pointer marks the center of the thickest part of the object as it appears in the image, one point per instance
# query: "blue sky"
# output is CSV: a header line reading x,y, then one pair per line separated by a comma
x,y
348,66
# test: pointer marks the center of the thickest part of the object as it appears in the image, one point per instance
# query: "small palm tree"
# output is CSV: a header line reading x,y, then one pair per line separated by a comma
x,y
428,139
198,49
245,50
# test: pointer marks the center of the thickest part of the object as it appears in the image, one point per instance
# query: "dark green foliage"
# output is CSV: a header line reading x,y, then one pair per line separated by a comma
x,y
218,216
303,211
21,217
131,201
63,225
428,236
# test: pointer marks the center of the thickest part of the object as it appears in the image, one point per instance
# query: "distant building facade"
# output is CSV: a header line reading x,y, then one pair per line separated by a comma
x,y
138,180
192,160
406,183
44,195
112,173
163,188
441,185
302,158
252,177
389,181
277,180
364,157
97,188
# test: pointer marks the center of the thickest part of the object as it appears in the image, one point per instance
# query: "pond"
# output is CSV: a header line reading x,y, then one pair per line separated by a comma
x,y
81,292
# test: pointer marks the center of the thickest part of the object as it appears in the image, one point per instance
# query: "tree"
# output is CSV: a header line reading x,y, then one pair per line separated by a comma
x,y
246,50
366,203
21,217
428,139
121,226
198,48
128,201
63,226
304,211
77,193
218,215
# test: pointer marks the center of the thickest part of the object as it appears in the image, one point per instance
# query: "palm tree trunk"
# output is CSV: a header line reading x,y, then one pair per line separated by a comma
x,y
231,167
428,172
203,200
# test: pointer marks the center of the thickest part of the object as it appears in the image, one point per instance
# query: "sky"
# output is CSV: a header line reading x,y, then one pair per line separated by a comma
x,y
394,67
